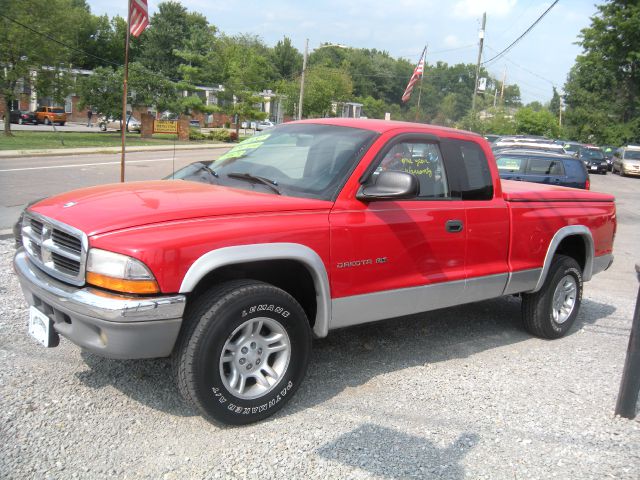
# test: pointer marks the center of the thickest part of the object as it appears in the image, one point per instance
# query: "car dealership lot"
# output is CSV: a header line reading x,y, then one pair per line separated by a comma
x,y
458,393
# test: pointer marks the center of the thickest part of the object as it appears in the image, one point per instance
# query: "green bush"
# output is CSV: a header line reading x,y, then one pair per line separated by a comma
x,y
195,134
220,135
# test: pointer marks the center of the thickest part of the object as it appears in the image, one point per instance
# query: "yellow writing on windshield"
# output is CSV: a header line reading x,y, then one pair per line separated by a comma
x,y
245,146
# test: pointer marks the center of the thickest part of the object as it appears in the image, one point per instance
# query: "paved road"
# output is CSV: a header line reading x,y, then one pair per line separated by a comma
x,y
28,178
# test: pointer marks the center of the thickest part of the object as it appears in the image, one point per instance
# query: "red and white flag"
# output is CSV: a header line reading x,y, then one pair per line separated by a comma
x,y
138,16
417,73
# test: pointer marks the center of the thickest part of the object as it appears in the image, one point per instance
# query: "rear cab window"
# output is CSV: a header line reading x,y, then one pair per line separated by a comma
x,y
471,176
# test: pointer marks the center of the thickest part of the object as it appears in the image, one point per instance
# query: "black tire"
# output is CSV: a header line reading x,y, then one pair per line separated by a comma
x,y
202,377
62,124
20,121
537,308
103,127
47,121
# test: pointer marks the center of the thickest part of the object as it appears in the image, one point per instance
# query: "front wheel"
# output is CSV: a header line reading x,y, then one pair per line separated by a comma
x,y
47,121
103,127
243,352
550,312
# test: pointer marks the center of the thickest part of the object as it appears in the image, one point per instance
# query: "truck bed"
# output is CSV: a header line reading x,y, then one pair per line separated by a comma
x,y
515,191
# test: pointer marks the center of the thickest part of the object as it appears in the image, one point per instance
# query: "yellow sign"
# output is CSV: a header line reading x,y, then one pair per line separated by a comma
x,y
165,126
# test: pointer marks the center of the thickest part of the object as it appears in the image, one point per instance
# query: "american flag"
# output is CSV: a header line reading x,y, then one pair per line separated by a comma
x,y
138,16
417,73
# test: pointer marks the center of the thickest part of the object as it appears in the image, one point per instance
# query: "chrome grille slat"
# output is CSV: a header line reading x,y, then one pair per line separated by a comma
x,y
67,241
58,249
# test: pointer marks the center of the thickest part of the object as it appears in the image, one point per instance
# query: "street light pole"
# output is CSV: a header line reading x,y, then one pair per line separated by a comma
x,y
304,68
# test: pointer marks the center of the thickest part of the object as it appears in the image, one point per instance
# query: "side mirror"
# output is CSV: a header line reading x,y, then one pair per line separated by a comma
x,y
390,185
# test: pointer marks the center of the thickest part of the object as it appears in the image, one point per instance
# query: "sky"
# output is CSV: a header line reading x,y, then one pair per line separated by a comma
x,y
540,60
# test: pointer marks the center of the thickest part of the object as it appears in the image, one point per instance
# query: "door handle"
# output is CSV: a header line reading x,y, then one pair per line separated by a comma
x,y
454,226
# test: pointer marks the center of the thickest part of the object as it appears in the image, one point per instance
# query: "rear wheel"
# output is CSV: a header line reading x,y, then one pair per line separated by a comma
x,y
243,352
550,312
103,127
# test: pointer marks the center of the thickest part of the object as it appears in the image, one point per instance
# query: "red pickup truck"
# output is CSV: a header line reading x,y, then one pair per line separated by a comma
x,y
234,265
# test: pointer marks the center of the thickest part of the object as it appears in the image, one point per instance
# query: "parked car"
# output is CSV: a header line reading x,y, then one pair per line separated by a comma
x,y
608,151
572,148
593,159
539,146
49,115
265,125
490,137
133,125
542,167
626,161
20,117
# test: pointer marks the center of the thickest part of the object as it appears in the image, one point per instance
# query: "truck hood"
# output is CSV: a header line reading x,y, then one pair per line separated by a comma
x,y
106,208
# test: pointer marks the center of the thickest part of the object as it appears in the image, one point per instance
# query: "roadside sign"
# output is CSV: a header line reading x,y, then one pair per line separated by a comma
x,y
165,126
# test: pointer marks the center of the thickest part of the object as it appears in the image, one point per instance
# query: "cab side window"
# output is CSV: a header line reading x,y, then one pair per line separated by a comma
x,y
421,159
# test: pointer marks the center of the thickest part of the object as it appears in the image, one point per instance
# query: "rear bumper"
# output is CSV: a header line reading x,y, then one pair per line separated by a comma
x,y
114,326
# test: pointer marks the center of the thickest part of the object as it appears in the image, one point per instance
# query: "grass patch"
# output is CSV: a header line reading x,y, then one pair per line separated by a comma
x,y
28,140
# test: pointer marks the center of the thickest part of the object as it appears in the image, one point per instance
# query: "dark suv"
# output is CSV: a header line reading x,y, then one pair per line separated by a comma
x,y
593,159
542,167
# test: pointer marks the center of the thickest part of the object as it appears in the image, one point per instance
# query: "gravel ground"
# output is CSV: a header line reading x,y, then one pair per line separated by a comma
x,y
461,393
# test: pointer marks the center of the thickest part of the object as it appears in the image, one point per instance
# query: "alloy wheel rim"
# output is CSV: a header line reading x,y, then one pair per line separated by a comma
x,y
564,299
255,358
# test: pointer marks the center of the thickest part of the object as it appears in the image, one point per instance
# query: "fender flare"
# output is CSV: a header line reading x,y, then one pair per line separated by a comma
x,y
564,232
235,255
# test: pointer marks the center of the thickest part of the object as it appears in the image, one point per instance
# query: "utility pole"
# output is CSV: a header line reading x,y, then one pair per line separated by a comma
x,y
304,68
475,85
560,113
504,80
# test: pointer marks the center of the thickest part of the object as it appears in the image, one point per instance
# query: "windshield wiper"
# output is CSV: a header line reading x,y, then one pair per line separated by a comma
x,y
272,184
207,168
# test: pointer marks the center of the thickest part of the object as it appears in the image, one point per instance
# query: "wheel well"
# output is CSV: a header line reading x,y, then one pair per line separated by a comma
x,y
288,275
574,246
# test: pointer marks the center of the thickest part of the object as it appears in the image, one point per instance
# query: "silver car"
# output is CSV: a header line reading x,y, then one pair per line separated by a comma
x,y
133,125
626,161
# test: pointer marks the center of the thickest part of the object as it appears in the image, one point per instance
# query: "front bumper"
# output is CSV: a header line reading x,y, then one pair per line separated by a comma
x,y
110,325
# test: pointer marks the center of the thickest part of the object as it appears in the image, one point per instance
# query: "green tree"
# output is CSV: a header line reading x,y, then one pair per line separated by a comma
x,y
102,92
555,103
602,91
531,122
286,59
24,55
323,87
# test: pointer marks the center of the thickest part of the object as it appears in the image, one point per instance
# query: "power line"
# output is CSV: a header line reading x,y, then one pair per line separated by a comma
x,y
523,34
525,69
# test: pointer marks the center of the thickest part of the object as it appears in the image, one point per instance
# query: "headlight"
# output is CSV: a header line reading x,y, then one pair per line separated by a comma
x,y
120,273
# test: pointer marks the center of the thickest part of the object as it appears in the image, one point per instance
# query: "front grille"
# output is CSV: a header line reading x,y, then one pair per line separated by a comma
x,y
66,241
58,249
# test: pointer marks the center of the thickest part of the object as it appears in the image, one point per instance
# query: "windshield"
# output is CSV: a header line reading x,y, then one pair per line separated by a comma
x,y
303,160
591,154
632,155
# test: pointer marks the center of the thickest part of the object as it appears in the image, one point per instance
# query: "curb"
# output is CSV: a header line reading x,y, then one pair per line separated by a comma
x,y
91,150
